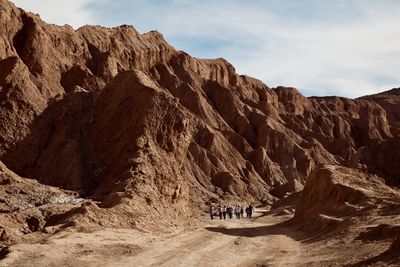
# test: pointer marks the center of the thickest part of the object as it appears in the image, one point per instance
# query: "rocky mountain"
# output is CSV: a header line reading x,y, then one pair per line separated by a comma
x,y
339,202
334,193
125,119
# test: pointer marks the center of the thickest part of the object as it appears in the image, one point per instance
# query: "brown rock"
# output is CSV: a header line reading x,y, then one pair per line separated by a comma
x,y
383,158
333,194
4,250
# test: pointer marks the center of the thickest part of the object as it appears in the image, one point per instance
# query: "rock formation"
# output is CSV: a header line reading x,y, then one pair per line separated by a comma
x,y
26,206
124,118
335,195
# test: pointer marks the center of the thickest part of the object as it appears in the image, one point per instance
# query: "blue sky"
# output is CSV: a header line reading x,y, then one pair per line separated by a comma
x,y
338,47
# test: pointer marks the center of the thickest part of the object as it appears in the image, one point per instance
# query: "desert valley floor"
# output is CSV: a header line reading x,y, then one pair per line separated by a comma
x,y
265,240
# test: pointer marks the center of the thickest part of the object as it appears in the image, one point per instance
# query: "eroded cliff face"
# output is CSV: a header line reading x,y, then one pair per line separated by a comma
x,y
123,117
336,195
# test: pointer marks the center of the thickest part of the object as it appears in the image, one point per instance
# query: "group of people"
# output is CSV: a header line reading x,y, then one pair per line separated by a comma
x,y
226,212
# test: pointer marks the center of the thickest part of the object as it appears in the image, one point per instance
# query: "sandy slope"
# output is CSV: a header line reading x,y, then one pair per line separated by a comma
x,y
221,243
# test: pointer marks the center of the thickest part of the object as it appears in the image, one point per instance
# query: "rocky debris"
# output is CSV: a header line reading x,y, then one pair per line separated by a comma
x,y
4,250
380,232
26,205
390,257
383,159
34,223
394,250
333,195
3,235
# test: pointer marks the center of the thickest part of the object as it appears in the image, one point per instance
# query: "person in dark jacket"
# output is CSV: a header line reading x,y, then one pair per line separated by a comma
x,y
230,212
211,211
250,212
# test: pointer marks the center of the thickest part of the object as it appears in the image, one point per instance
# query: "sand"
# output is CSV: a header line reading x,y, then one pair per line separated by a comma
x,y
232,242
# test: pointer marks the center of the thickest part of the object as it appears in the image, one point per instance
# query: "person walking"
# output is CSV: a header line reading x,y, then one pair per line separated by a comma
x,y
211,211
220,210
241,211
251,209
230,211
224,212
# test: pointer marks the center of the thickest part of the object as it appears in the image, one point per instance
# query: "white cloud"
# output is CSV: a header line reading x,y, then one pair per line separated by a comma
x,y
73,12
348,60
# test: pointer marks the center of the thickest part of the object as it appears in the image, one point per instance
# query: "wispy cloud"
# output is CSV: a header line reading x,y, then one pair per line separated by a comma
x,y
343,47
73,12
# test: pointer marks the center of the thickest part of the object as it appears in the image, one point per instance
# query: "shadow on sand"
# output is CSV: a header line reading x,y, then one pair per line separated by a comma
x,y
284,228
288,228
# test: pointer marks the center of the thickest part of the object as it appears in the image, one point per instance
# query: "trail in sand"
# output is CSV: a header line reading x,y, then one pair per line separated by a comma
x,y
234,242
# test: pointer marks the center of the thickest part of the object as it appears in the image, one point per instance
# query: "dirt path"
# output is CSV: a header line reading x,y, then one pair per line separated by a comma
x,y
233,242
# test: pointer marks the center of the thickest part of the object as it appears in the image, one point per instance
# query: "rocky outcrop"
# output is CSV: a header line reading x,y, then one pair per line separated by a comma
x,y
143,149
123,117
390,257
333,195
26,205
383,159
390,102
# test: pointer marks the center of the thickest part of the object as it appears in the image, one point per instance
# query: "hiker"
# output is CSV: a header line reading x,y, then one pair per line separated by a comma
x,y
220,211
224,212
241,211
211,211
230,212
251,209
237,212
